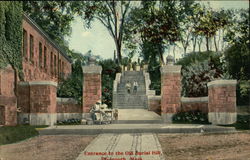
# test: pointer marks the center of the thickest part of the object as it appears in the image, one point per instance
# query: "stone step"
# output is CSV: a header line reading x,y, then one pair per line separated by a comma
x,y
138,122
131,107
134,128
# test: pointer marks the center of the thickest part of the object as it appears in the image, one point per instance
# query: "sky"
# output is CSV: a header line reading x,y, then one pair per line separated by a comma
x,y
98,40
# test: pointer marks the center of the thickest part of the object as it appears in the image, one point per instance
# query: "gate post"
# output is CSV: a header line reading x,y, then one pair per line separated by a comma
x,y
92,85
170,90
222,102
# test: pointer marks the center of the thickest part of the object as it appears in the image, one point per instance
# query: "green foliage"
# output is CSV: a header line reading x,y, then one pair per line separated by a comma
x,y
9,134
243,122
238,29
237,59
196,77
69,122
243,92
54,17
109,70
197,70
72,86
11,35
194,117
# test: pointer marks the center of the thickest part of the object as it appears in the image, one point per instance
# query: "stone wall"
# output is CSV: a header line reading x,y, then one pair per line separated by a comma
x,y
194,104
68,108
222,102
7,97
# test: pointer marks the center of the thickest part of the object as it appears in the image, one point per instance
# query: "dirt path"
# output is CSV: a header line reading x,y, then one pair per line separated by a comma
x,y
175,147
66,147
206,147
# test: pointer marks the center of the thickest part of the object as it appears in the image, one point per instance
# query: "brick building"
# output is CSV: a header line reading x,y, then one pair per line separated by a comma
x,y
44,62
43,59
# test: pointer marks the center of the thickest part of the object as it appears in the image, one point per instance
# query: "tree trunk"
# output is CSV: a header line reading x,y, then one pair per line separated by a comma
x,y
118,51
222,43
218,43
161,54
194,43
207,43
15,80
215,45
185,50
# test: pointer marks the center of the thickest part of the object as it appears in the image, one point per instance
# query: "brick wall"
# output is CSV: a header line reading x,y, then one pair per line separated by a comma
x,y
154,104
67,108
48,61
222,101
194,104
68,105
42,98
7,97
23,99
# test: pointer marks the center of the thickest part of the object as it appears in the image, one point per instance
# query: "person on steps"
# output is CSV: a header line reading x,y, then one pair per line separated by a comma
x,y
128,86
135,86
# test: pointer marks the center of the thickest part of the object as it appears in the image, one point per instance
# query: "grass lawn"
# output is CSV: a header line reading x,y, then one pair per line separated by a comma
x,y
12,134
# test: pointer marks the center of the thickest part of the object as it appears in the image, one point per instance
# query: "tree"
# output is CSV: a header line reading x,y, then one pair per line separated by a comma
x,y
112,14
11,38
54,17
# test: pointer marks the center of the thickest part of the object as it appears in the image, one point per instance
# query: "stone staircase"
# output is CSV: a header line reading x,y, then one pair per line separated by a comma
x,y
124,100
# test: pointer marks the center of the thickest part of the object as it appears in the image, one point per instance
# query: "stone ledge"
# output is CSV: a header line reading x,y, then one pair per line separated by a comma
x,y
194,99
32,83
60,100
222,83
154,97
92,69
171,69
222,118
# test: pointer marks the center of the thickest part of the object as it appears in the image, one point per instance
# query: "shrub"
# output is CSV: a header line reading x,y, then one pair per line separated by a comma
x,y
196,76
197,70
72,121
191,117
72,86
243,92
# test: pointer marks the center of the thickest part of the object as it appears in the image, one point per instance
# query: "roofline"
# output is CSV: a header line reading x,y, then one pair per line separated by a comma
x,y
46,36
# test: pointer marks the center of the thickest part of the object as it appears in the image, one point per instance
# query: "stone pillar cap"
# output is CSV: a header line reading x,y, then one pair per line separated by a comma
x,y
222,83
170,69
92,60
170,60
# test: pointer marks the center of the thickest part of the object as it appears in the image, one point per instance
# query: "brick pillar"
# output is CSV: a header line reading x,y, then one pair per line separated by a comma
x,y
222,102
43,102
8,110
170,91
23,102
92,86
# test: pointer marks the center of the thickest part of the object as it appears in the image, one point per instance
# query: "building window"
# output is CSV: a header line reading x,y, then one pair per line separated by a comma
x,y
40,54
55,65
45,57
59,68
31,48
25,41
0,83
51,63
